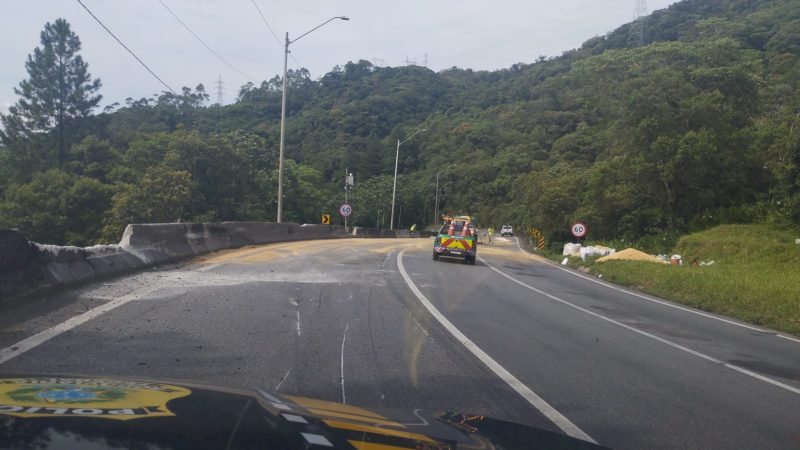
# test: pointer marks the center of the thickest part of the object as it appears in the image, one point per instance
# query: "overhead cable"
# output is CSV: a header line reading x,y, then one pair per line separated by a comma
x,y
277,39
204,44
126,48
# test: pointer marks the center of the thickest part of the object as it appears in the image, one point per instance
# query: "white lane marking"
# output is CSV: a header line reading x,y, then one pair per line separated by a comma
x,y
644,333
516,239
44,336
789,338
660,302
341,362
537,402
282,380
298,322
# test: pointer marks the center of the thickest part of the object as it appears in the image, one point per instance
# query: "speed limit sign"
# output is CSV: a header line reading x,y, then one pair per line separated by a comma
x,y
578,229
345,210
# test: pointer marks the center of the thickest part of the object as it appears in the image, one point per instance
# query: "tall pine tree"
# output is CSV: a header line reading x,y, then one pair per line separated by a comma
x,y
59,90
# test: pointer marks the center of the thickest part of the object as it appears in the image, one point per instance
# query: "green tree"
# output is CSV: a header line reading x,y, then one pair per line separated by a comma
x,y
163,195
58,91
93,158
56,208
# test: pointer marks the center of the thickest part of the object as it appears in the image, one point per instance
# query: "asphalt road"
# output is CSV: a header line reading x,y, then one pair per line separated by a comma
x,y
378,323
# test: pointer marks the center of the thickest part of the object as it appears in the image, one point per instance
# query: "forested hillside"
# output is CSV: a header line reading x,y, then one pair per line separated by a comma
x,y
699,126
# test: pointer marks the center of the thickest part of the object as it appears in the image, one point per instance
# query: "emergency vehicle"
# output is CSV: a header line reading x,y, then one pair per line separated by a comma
x,y
457,238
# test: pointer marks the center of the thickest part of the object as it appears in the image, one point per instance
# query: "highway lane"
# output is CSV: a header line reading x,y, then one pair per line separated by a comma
x,y
336,320
324,319
624,388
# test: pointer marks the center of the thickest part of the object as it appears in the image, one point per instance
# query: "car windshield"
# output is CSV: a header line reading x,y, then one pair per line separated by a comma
x,y
258,196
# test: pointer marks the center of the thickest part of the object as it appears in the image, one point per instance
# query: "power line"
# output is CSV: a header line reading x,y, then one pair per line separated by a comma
x,y
126,48
204,44
277,39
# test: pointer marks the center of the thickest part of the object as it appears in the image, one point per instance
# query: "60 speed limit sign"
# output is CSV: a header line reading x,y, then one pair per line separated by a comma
x,y
345,210
578,229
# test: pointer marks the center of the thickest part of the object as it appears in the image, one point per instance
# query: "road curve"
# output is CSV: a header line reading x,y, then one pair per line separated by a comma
x,y
337,320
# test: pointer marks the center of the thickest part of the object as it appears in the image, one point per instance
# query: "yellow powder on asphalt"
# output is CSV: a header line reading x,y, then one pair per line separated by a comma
x,y
630,254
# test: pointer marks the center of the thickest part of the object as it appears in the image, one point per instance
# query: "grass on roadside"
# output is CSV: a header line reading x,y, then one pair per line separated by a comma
x,y
755,276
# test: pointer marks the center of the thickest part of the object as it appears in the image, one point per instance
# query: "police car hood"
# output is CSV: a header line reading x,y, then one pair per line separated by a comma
x,y
66,412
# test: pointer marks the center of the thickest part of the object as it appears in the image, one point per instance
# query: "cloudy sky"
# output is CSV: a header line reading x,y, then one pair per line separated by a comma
x,y
482,35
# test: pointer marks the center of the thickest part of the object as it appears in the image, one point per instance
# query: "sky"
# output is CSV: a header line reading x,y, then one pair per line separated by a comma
x,y
481,35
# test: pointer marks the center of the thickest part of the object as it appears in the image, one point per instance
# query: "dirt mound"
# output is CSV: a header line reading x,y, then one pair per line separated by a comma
x,y
630,254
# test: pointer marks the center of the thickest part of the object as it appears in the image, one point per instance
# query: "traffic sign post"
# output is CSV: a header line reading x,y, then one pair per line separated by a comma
x,y
579,230
537,236
345,210
348,186
326,219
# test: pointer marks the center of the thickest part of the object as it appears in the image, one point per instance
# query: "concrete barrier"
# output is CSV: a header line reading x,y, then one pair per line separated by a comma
x,y
373,233
27,267
172,241
379,233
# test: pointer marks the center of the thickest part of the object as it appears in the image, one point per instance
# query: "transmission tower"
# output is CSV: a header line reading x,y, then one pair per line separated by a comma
x,y
636,37
219,90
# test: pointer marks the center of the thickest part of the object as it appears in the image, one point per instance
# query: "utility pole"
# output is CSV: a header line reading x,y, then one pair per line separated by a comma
x,y
287,42
283,129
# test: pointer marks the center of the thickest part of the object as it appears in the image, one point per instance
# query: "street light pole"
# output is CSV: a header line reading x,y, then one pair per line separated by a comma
x,y
396,159
283,110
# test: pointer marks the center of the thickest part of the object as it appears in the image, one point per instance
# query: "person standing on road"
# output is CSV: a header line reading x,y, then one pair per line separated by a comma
x,y
489,233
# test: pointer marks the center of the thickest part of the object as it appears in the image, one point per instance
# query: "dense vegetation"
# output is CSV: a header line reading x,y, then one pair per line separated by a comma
x,y
697,127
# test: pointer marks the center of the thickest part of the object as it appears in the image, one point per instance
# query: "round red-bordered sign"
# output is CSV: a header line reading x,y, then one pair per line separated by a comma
x,y
579,229
345,210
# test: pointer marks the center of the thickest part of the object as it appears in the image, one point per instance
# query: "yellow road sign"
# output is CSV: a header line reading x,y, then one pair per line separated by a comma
x,y
326,219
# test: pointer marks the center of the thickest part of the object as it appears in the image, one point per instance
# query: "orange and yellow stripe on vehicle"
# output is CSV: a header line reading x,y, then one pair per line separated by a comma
x,y
456,243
